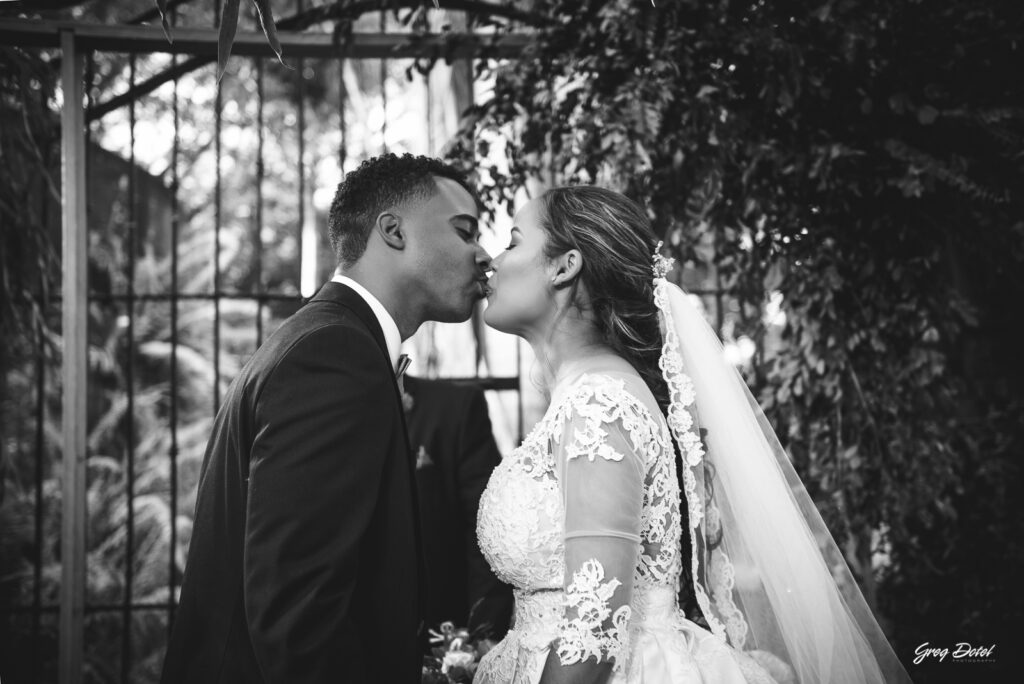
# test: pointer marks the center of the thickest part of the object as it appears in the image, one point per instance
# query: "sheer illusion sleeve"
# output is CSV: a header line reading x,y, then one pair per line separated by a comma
x,y
601,472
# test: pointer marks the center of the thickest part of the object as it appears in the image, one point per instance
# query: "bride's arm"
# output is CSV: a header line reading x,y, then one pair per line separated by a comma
x,y
602,477
587,672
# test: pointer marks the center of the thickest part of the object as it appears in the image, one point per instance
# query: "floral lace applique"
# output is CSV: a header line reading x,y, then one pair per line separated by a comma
x,y
597,401
719,574
585,636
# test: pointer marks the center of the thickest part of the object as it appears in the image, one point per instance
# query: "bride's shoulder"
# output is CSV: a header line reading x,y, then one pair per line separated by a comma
x,y
605,387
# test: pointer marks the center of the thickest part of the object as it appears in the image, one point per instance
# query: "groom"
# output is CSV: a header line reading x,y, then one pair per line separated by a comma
x,y
305,563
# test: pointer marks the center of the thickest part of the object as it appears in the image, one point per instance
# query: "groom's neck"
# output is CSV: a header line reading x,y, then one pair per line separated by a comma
x,y
381,283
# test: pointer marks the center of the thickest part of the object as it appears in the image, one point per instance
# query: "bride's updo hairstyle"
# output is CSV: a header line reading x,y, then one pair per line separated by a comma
x,y
616,240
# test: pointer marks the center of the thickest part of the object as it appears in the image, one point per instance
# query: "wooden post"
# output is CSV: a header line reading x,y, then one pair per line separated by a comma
x,y
73,507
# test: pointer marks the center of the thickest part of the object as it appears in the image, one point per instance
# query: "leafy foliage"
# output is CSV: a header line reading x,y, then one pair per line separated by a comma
x,y
864,161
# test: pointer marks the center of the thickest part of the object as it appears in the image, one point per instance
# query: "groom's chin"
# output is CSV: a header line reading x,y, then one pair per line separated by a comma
x,y
459,314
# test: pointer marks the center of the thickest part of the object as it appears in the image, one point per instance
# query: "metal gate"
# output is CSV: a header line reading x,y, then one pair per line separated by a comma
x,y
192,214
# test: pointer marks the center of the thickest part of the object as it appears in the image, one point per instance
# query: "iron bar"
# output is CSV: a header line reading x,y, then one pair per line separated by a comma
x,y
173,417
74,363
196,297
342,103
258,237
203,42
384,89
218,104
40,510
258,297
301,94
129,565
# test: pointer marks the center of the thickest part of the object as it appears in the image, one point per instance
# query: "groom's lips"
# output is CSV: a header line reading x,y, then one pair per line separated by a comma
x,y
485,290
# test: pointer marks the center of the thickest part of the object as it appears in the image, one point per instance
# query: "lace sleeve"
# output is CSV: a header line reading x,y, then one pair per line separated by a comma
x,y
601,476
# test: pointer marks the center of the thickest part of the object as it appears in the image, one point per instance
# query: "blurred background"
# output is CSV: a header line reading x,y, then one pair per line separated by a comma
x,y
840,182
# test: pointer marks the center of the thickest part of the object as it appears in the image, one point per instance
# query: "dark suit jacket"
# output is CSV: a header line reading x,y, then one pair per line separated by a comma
x,y
304,563
450,433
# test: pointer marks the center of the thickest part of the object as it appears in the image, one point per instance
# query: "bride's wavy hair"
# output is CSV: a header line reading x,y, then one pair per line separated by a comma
x,y
616,240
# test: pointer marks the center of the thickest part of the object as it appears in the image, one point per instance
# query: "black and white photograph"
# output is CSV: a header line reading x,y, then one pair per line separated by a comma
x,y
511,341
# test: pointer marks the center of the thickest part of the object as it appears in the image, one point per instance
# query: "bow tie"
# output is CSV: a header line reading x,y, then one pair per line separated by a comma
x,y
402,366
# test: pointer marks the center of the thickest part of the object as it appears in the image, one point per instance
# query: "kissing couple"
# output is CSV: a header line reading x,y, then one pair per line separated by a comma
x,y
652,473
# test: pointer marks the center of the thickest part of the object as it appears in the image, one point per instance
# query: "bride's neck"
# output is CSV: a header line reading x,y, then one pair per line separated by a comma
x,y
567,348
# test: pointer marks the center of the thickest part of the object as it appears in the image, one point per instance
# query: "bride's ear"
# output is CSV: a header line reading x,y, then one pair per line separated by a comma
x,y
567,268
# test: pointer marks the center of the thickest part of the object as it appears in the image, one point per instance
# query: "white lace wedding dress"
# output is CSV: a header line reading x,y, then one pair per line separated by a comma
x,y
583,521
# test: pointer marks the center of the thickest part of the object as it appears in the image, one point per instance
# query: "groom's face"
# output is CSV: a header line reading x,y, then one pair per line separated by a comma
x,y
448,267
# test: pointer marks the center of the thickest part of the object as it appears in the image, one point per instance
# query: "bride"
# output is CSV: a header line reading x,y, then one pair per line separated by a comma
x,y
587,519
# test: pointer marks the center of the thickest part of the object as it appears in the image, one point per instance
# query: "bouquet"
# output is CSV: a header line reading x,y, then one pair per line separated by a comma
x,y
455,654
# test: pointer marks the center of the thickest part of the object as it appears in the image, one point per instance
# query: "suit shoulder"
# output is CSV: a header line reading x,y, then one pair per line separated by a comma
x,y
318,344
317,320
331,343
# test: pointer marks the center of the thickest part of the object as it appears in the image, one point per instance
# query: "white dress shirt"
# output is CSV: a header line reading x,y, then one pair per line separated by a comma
x,y
392,337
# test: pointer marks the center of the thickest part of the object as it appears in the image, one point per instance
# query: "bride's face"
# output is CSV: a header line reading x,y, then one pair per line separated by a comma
x,y
521,298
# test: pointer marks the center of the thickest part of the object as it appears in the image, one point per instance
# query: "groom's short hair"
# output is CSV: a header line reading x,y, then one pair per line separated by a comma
x,y
377,185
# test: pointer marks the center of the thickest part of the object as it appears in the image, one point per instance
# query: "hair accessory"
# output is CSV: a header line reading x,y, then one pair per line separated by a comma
x,y
661,265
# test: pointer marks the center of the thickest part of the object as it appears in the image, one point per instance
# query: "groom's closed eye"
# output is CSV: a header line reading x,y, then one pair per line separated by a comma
x,y
467,227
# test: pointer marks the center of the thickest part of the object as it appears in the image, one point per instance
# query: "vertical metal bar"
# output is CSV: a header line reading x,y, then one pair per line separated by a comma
x,y
303,233
218,102
431,138
129,564
258,237
342,101
74,241
173,566
719,313
37,568
40,450
383,88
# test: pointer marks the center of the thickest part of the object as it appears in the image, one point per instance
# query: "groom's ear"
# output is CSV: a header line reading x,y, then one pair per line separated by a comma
x,y
567,267
389,227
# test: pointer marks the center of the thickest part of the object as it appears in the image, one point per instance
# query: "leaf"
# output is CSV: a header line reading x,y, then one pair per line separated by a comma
x,y
226,38
161,6
266,16
705,91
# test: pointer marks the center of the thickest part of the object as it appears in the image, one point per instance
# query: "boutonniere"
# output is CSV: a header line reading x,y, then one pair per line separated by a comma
x,y
407,401
423,458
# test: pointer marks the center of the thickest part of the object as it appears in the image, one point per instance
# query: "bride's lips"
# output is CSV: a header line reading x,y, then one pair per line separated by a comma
x,y
485,290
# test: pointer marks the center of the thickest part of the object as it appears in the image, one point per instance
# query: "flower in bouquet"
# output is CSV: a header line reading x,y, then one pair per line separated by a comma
x,y
456,654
